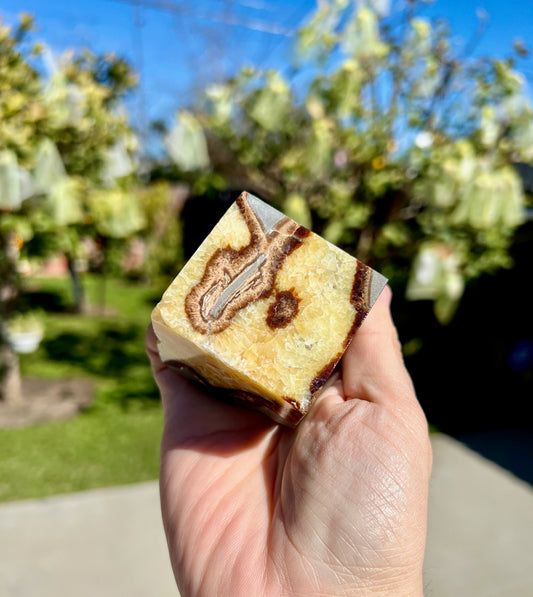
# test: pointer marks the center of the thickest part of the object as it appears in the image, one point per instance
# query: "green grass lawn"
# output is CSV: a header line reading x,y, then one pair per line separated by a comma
x,y
116,440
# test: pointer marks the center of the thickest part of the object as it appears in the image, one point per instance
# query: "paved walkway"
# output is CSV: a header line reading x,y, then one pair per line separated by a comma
x,y
480,534
110,542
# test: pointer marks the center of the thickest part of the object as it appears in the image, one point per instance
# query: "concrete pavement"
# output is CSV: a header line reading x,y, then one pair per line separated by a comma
x,y
110,542
105,543
480,528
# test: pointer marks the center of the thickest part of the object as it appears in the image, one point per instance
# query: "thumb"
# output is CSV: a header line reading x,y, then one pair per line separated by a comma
x,y
373,367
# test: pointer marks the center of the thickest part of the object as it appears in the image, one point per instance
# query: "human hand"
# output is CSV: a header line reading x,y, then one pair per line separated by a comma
x,y
337,506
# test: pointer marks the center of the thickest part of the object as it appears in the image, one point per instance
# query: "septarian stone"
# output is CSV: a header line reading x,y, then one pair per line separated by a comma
x,y
264,310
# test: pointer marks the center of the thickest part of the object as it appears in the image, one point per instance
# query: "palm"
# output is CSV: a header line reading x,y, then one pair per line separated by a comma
x,y
329,508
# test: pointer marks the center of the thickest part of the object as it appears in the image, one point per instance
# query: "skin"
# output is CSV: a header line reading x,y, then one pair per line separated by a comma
x,y
337,506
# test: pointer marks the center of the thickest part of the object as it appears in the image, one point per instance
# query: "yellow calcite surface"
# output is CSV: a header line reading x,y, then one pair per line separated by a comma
x,y
286,365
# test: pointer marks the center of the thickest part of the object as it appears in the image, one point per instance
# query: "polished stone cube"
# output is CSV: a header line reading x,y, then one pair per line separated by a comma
x,y
264,310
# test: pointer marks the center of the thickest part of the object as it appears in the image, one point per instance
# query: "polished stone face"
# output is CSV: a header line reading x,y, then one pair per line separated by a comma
x,y
264,310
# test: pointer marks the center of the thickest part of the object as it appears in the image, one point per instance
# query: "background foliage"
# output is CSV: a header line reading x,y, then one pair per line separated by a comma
x,y
386,139
66,164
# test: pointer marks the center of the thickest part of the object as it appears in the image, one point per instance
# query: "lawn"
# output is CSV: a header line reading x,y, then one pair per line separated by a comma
x,y
115,440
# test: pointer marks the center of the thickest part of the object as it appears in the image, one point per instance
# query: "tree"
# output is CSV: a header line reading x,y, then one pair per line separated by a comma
x,y
20,126
90,195
389,141
66,167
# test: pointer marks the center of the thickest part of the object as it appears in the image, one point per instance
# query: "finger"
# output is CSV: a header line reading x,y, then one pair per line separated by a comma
x,y
373,367
191,411
152,352
167,380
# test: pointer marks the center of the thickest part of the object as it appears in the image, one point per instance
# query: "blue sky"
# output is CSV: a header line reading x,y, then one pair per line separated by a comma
x,y
180,50
177,53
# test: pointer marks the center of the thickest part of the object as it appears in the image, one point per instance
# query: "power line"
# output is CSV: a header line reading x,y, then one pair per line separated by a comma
x,y
138,45
295,9
254,5
224,19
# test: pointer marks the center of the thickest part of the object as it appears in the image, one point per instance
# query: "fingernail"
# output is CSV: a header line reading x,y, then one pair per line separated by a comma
x,y
386,295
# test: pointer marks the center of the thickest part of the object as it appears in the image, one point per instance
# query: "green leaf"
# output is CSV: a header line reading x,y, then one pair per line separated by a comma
x,y
334,231
419,38
444,308
116,213
118,162
345,87
490,128
318,36
272,104
186,143
361,37
221,103
522,137
436,275
66,101
17,224
64,201
495,198
297,208
10,187
49,168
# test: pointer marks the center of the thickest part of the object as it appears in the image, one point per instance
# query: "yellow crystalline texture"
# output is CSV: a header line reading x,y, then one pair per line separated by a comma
x,y
280,302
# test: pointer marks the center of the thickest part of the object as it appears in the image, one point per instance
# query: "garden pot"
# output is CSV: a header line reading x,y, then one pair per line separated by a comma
x,y
25,342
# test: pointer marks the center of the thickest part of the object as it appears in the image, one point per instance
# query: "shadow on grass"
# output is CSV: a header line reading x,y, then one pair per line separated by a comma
x,y
155,297
141,390
47,300
114,352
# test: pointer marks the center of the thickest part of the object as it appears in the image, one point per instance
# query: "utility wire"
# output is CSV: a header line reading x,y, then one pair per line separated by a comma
x,y
225,19
138,43
254,5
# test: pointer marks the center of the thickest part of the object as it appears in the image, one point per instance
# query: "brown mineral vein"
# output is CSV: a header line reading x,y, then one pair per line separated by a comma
x,y
323,375
360,300
360,297
234,278
283,310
